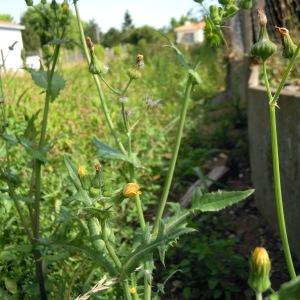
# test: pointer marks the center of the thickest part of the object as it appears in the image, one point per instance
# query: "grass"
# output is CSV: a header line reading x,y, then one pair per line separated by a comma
x,y
75,117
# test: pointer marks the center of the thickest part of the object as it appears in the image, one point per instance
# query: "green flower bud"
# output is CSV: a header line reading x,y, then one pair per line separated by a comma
x,y
97,180
264,47
215,14
65,7
260,267
29,2
246,4
96,66
226,2
212,35
43,2
133,73
54,5
230,10
94,192
288,45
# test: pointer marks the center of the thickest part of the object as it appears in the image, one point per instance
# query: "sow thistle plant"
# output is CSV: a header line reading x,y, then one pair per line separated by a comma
x,y
127,267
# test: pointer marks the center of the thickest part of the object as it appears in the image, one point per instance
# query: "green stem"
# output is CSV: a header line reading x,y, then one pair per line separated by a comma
x,y
38,174
20,212
277,181
114,257
170,174
98,85
115,91
285,75
259,296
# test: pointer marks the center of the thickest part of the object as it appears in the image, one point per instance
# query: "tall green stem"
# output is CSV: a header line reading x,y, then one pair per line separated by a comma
x,y
277,181
286,74
114,257
170,174
97,82
37,179
259,296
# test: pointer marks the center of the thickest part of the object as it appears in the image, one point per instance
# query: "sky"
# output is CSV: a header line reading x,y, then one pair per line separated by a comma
x,y
110,13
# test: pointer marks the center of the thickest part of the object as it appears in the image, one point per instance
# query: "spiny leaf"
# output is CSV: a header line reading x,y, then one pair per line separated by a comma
x,y
40,78
73,173
106,152
217,200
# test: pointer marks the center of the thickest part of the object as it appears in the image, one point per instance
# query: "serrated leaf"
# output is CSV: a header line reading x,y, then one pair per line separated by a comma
x,y
73,173
180,57
106,152
90,253
167,233
40,78
290,290
217,200
39,154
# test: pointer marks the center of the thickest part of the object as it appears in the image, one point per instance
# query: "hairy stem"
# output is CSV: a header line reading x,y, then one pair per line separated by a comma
x,y
114,257
285,75
277,181
98,85
171,170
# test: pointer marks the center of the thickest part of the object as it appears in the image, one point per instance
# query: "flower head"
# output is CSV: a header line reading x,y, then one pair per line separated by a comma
x,y
131,189
260,266
82,171
132,290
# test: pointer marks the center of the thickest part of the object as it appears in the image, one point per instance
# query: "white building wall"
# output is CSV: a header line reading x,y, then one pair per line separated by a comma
x,y
198,36
13,58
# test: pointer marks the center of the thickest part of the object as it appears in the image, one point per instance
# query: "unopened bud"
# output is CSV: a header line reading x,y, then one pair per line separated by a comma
x,y
215,14
262,18
43,2
288,45
131,189
65,7
133,73
140,61
29,2
230,10
246,4
264,47
260,267
54,5
98,167
90,44
132,290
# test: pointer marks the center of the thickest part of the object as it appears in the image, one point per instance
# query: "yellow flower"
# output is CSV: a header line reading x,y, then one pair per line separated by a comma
x,y
260,267
132,290
131,190
260,257
82,171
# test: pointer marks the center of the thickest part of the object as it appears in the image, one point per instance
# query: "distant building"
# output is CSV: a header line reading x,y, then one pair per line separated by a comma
x,y
11,45
190,33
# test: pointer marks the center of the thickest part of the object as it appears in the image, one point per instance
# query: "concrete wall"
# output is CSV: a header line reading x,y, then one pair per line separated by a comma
x,y
288,126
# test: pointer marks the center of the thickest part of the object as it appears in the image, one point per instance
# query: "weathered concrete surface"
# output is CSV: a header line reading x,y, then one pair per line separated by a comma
x,y
288,126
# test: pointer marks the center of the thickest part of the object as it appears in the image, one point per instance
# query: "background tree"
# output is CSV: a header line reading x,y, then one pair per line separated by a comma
x,y
112,37
127,24
93,30
40,27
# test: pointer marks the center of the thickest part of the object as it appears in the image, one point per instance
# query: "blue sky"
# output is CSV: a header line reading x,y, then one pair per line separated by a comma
x,y
109,13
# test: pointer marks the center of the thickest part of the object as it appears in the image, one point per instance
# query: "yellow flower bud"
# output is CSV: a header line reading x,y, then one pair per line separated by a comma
x,y
132,290
131,190
260,267
82,171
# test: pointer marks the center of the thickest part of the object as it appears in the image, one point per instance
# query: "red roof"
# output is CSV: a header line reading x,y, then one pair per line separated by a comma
x,y
190,26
